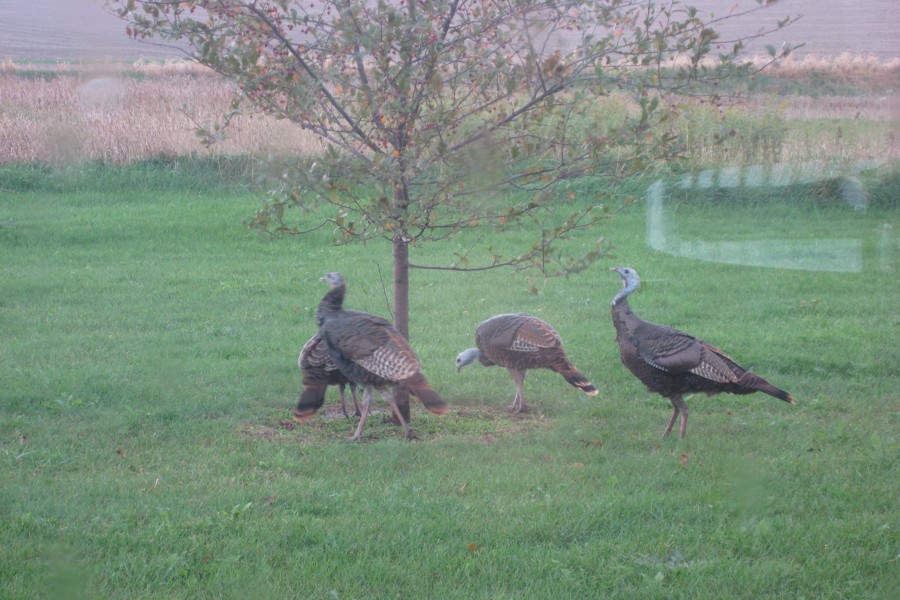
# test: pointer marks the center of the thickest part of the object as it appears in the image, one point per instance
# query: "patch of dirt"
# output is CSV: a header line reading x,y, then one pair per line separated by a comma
x,y
483,424
280,426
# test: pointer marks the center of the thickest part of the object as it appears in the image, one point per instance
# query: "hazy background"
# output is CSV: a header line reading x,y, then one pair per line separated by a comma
x,y
81,29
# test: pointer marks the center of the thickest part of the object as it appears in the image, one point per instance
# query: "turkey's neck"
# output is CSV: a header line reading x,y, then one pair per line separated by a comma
x,y
331,303
622,296
469,356
621,312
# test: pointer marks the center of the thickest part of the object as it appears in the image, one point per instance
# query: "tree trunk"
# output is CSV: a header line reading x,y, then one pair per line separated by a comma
x,y
401,293
401,286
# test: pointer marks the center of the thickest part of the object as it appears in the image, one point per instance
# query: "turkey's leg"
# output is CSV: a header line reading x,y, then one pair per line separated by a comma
x,y
355,402
367,400
408,433
679,406
684,413
518,404
343,403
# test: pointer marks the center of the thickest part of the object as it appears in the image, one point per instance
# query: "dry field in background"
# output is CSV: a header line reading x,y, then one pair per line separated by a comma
x,y
152,110
119,114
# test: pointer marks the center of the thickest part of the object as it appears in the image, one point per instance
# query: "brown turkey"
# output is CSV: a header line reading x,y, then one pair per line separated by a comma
x,y
520,342
370,352
672,363
319,371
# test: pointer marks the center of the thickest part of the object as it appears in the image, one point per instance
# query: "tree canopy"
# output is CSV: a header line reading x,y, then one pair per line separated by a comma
x,y
426,107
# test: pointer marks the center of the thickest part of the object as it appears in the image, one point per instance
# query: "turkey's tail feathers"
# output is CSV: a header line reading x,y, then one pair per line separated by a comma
x,y
311,399
419,387
775,392
577,379
753,382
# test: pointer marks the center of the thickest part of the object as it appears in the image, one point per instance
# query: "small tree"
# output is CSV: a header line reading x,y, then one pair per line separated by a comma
x,y
427,107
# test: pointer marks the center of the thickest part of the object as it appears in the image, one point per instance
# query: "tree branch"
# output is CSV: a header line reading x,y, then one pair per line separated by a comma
x,y
361,135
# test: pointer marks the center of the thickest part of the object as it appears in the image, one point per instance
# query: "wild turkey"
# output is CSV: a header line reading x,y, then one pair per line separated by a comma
x,y
319,372
520,342
370,352
672,363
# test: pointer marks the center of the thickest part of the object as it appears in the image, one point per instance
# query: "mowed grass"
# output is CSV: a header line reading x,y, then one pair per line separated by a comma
x,y
149,368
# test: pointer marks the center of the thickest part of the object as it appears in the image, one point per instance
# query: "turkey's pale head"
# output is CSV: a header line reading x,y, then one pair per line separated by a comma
x,y
466,357
630,281
333,279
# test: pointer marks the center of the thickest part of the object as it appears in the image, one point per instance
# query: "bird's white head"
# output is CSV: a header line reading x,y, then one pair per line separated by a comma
x,y
630,281
333,279
466,357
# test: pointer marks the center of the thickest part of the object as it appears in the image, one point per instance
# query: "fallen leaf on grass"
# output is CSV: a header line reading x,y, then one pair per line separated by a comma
x,y
684,458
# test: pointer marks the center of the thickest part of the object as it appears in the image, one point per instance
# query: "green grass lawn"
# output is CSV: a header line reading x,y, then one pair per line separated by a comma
x,y
148,369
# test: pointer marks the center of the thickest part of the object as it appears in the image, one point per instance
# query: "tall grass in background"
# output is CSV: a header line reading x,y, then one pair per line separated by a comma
x,y
119,114
63,116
